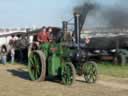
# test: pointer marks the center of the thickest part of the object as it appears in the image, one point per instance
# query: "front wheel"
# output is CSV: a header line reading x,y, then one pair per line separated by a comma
x,y
68,74
90,72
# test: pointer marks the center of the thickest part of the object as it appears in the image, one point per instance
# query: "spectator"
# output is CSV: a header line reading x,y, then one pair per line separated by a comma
x,y
12,41
12,51
12,55
20,49
31,39
3,54
49,29
50,34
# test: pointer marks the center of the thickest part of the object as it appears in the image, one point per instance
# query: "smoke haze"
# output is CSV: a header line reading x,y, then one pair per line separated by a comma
x,y
103,13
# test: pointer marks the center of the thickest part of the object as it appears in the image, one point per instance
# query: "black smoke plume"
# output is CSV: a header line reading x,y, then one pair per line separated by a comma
x,y
117,17
83,10
114,14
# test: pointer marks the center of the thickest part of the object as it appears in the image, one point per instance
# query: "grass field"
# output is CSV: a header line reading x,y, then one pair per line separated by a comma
x,y
15,81
106,68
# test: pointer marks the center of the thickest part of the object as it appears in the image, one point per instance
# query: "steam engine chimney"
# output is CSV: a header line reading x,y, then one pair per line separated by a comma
x,y
65,26
77,28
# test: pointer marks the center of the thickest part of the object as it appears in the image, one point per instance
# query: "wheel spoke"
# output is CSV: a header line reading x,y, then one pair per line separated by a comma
x,y
90,72
38,66
36,63
68,74
36,74
31,61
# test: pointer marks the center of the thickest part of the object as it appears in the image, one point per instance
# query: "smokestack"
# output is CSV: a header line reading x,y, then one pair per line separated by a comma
x,y
65,29
65,26
84,10
77,28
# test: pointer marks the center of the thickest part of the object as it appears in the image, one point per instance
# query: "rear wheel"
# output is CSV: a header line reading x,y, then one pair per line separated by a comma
x,y
69,73
90,72
32,47
37,66
120,59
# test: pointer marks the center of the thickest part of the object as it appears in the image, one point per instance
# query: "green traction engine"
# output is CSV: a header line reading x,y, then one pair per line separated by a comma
x,y
62,59
48,63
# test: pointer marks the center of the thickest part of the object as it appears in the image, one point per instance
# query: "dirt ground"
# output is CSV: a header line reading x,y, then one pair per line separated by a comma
x,y
14,81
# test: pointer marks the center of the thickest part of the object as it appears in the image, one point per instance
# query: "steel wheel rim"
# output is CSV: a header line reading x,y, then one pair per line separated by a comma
x,y
68,75
90,72
34,66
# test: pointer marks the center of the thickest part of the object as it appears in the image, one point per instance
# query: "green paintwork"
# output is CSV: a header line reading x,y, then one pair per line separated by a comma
x,y
56,54
90,72
57,57
123,52
54,60
54,64
45,48
34,66
67,73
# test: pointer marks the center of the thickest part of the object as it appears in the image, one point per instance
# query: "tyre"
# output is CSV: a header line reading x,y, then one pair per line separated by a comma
x,y
69,74
32,47
37,66
120,59
90,72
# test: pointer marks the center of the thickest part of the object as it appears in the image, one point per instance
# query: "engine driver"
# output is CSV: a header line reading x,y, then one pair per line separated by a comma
x,y
42,37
